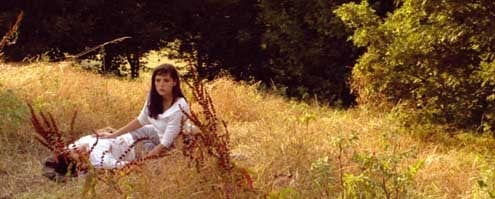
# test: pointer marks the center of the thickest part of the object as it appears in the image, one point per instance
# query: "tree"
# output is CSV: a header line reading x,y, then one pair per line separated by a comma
x,y
308,49
434,56
71,26
299,46
221,36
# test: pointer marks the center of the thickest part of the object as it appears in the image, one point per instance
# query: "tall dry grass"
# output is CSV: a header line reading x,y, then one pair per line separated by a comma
x,y
281,143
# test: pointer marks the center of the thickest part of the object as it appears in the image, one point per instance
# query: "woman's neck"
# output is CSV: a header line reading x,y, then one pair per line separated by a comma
x,y
167,101
167,98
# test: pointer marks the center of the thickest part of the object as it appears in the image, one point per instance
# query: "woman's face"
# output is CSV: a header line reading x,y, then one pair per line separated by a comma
x,y
164,84
81,156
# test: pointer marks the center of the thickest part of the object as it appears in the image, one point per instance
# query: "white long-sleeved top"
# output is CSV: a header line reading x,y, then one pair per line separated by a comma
x,y
168,124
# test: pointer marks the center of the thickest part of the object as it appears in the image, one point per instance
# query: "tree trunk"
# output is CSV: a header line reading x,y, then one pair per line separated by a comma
x,y
106,61
133,59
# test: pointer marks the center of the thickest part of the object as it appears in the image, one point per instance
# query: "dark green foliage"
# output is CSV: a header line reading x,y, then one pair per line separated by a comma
x,y
298,46
384,7
434,56
307,48
221,36
70,27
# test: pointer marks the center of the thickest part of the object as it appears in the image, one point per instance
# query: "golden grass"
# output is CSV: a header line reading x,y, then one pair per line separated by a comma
x,y
275,139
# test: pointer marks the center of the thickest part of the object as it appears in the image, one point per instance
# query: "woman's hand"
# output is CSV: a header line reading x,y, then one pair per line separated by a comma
x,y
109,132
159,149
106,132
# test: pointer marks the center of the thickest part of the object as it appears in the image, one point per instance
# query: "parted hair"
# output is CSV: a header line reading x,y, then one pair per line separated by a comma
x,y
155,103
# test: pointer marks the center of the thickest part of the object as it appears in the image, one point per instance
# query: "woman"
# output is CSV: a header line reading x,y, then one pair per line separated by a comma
x,y
162,115
160,121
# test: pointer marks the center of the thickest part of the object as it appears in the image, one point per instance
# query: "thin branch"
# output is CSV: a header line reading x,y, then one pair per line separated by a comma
x,y
10,34
77,56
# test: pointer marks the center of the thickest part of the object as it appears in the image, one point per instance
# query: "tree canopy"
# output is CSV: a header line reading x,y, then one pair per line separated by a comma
x,y
299,46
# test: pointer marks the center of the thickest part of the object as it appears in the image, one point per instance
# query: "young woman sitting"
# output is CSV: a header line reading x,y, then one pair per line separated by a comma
x,y
159,122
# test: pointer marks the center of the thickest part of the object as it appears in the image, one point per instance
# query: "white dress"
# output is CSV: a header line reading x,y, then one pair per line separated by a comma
x,y
166,127
107,152
163,130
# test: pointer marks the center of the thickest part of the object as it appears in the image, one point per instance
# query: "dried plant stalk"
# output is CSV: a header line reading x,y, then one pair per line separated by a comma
x,y
212,141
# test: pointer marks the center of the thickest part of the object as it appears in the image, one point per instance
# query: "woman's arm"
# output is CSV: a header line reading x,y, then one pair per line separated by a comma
x,y
171,131
131,126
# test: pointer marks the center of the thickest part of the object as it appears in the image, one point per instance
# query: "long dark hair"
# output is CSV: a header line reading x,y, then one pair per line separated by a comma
x,y
62,165
155,103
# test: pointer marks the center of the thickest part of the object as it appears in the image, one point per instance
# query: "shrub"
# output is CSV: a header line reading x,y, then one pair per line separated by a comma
x,y
13,111
434,56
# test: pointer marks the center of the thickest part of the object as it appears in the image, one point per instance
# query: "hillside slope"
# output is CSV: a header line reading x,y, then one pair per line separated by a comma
x,y
291,149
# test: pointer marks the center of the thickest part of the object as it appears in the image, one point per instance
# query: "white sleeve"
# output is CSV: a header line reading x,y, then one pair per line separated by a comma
x,y
174,125
143,117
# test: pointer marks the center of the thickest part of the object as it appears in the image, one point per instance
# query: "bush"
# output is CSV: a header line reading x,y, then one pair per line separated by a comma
x,y
381,176
13,111
433,56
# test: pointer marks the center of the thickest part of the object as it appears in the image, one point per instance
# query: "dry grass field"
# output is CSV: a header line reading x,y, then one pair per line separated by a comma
x,y
291,149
